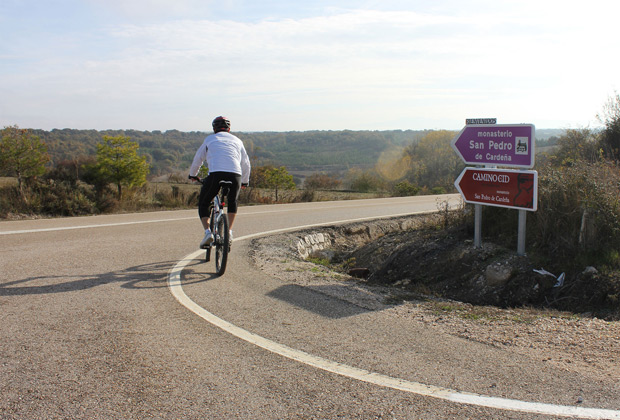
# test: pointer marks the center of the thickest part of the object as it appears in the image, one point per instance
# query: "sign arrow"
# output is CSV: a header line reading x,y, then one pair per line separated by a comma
x,y
499,187
496,144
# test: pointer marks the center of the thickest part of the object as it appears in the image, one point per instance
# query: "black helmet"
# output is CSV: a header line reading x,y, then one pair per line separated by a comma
x,y
221,124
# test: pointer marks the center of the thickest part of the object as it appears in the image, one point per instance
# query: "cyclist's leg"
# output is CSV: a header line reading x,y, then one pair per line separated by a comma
x,y
233,196
209,190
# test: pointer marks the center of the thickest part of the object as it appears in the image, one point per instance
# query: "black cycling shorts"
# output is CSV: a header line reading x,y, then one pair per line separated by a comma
x,y
210,188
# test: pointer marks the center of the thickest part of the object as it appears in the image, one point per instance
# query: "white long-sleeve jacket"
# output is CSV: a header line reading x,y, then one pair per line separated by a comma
x,y
223,152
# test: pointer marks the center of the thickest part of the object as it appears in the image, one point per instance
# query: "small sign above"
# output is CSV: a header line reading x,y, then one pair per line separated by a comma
x,y
470,121
496,144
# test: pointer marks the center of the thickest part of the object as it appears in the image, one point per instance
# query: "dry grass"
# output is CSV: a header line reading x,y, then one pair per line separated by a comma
x,y
8,182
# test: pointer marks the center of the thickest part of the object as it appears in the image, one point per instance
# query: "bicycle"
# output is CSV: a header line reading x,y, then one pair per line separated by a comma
x,y
219,227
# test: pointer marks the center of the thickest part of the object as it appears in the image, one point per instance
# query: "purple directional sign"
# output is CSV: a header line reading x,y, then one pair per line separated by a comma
x,y
496,144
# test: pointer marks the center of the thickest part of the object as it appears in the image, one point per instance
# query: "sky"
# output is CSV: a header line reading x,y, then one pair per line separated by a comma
x,y
285,65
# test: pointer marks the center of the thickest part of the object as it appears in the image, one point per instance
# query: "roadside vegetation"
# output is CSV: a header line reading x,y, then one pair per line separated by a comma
x,y
115,174
572,240
578,217
80,172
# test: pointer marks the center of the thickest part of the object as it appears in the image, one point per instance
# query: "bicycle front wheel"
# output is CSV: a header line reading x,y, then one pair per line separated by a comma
x,y
222,244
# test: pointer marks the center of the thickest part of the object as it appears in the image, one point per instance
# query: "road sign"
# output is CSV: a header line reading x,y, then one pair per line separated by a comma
x,y
496,144
470,121
499,187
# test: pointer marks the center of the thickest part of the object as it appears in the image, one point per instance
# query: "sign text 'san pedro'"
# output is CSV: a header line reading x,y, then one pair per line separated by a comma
x,y
499,187
496,144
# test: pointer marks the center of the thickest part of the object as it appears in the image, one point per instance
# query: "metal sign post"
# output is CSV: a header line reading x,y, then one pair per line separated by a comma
x,y
521,233
477,225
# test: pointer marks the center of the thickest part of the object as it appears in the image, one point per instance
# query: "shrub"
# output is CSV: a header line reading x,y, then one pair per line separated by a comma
x,y
172,198
404,189
321,181
307,196
578,210
365,181
12,202
62,198
577,222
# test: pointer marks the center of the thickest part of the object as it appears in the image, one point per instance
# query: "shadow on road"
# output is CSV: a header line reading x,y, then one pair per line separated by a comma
x,y
318,300
148,276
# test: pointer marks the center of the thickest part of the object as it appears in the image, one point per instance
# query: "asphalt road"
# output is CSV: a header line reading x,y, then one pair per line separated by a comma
x,y
92,327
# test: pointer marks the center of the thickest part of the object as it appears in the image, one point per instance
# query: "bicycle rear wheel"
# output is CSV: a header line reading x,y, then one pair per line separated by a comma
x,y
222,244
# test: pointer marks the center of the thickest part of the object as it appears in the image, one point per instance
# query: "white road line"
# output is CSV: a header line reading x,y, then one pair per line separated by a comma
x,y
249,212
139,222
174,284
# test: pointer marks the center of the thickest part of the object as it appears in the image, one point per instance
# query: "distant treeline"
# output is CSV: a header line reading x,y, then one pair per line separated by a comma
x,y
172,150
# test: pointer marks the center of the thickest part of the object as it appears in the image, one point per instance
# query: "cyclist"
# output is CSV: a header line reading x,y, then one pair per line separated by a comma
x,y
226,160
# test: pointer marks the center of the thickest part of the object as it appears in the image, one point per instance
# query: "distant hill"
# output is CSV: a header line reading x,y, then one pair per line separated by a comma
x,y
300,151
173,150
546,133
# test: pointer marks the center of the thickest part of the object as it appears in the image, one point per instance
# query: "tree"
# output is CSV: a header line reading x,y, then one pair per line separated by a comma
x,y
279,178
433,161
576,145
610,136
22,154
118,162
258,176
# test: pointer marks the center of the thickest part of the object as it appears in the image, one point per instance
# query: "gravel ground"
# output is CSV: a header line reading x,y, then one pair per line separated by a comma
x,y
582,344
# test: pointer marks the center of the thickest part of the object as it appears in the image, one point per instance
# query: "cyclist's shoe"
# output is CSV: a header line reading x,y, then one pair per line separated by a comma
x,y
207,240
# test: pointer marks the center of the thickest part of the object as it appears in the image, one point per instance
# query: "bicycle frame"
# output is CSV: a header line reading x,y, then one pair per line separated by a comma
x,y
217,211
220,228
219,204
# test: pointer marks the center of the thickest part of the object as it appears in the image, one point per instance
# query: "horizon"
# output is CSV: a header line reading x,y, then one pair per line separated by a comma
x,y
318,65
272,131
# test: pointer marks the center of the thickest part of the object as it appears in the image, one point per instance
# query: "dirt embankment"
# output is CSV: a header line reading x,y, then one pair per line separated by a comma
x,y
436,276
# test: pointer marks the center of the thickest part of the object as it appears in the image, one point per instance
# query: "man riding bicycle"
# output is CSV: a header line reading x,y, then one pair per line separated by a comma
x,y
226,160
